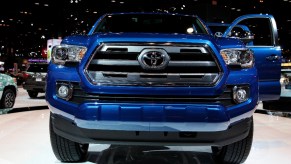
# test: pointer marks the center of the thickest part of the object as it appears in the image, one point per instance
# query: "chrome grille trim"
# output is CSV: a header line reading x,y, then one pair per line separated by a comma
x,y
139,48
135,63
116,64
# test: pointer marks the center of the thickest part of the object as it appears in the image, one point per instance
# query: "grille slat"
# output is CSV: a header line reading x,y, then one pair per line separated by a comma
x,y
136,63
118,64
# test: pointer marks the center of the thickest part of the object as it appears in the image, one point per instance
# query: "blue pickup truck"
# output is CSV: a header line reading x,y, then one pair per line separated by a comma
x,y
161,79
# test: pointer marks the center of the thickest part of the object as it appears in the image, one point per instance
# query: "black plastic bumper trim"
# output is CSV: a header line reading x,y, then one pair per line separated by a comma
x,y
69,130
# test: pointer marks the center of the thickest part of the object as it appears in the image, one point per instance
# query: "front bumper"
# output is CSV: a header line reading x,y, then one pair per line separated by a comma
x,y
117,119
70,130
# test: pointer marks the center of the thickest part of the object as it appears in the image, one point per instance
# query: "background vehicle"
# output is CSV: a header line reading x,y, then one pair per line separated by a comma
x,y
35,79
138,78
8,91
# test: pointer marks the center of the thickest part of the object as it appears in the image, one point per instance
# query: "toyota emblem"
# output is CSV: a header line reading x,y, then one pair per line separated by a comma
x,y
153,59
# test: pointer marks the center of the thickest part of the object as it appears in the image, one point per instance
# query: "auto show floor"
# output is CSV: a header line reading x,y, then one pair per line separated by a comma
x,y
24,139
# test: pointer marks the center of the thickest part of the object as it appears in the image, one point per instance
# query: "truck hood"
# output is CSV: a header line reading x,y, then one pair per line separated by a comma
x,y
224,43
98,38
150,37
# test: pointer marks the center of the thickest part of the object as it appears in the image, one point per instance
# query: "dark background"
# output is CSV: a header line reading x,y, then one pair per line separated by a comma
x,y
26,25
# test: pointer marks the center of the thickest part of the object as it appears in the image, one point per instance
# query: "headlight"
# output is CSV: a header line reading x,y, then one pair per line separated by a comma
x,y
67,53
238,57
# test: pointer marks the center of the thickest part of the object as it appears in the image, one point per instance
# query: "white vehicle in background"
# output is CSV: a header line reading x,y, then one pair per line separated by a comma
x,y
1,66
8,91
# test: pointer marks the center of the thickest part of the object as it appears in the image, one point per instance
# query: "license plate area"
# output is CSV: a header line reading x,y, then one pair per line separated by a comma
x,y
38,79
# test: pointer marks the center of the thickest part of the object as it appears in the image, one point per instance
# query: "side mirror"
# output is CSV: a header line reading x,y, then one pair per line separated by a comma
x,y
247,37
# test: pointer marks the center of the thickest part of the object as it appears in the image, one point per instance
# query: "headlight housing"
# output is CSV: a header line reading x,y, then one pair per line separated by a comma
x,y
67,53
240,57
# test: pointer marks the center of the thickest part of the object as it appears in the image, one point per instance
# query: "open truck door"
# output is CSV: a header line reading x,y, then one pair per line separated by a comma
x,y
263,40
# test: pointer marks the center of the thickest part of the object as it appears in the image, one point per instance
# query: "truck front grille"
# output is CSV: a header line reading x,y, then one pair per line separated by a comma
x,y
119,64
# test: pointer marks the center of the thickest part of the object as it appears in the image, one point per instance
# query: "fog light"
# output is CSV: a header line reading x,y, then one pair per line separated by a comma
x,y
240,93
64,91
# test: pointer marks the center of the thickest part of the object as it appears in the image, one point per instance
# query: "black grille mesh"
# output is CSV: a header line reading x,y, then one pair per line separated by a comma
x,y
79,96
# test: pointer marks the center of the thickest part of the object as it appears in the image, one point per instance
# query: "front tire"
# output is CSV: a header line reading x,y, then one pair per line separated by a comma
x,y
8,99
234,153
66,150
32,94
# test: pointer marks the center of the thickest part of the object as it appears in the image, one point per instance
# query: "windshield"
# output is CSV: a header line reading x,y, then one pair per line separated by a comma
x,y
151,23
214,29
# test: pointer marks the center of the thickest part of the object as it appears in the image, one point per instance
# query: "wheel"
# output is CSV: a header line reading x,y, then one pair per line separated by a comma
x,y
8,99
234,153
66,150
32,94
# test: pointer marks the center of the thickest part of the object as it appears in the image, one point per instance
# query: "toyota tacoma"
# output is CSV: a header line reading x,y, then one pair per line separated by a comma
x,y
161,79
